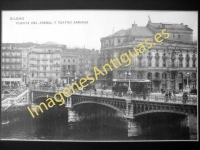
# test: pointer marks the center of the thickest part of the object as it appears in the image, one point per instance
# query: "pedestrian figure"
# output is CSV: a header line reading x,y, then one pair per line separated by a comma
x,y
95,91
170,94
166,96
81,90
174,92
102,92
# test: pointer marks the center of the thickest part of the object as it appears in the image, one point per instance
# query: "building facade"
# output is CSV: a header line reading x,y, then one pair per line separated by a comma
x,y
44,64
77,63
168,64
11,68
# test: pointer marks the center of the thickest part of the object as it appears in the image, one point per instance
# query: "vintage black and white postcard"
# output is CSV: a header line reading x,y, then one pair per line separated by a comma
x,y
99,75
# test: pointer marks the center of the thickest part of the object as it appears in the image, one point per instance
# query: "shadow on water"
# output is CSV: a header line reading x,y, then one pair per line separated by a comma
x,y
93,122
163,126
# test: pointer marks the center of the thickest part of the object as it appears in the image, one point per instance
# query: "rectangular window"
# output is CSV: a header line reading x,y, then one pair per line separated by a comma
x,y
118,40
64,60
68,60
187,64
73,60
193,64
179,36
56,74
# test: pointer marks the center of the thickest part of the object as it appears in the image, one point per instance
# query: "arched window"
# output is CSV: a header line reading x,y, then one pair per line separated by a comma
x,y
157,75
193,60
157,59
180,75
139,75
149,76
164,60
173,57
187,60
181,60
149,59
193,76
164,75
139,62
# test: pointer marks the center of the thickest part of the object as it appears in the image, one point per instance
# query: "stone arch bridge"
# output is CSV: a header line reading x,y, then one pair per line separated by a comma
x,y
130,107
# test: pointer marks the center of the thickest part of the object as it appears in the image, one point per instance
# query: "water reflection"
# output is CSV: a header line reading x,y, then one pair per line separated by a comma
x,y
96,122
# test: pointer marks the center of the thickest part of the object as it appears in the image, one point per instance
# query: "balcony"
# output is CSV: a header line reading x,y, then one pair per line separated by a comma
x,y
9,69
56,65
12,62
33,65
44,65
56,70
32,58
156,79
12,56
44,59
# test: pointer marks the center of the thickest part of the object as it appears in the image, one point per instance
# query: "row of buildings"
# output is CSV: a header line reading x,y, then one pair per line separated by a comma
x,y
32,63
168,64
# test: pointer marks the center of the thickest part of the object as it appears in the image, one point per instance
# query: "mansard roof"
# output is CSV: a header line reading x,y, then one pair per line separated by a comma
x,y
170,26
135,31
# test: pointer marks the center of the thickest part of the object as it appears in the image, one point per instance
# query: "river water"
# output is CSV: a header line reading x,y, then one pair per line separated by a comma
x,y
95,122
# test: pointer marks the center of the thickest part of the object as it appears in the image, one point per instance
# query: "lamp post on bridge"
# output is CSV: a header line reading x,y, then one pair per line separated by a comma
x,y
129,84
68,78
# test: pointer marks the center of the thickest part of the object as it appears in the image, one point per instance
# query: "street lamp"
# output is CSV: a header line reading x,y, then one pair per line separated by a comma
x,y
125,74
68,78
129,85
24,77
52,78
75,75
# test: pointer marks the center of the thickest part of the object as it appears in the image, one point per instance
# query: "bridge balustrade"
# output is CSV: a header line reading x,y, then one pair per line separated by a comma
x,y
143,97
15,93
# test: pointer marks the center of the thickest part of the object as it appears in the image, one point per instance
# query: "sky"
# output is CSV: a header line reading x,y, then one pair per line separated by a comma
x,y
101,23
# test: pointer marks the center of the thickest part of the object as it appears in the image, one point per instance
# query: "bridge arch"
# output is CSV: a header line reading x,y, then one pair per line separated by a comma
x,y
6,91
163,111
36,99
104,104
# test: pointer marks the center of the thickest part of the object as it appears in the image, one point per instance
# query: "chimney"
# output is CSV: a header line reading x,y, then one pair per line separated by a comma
x,y
186,26
181,23
134,25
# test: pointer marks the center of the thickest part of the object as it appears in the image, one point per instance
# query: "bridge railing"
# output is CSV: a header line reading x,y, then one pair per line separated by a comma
x,y
15,93
191,99
147,97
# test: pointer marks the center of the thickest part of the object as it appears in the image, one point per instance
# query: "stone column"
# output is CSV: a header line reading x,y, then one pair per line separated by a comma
x,y
72,118
129,109
68,102
134,128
